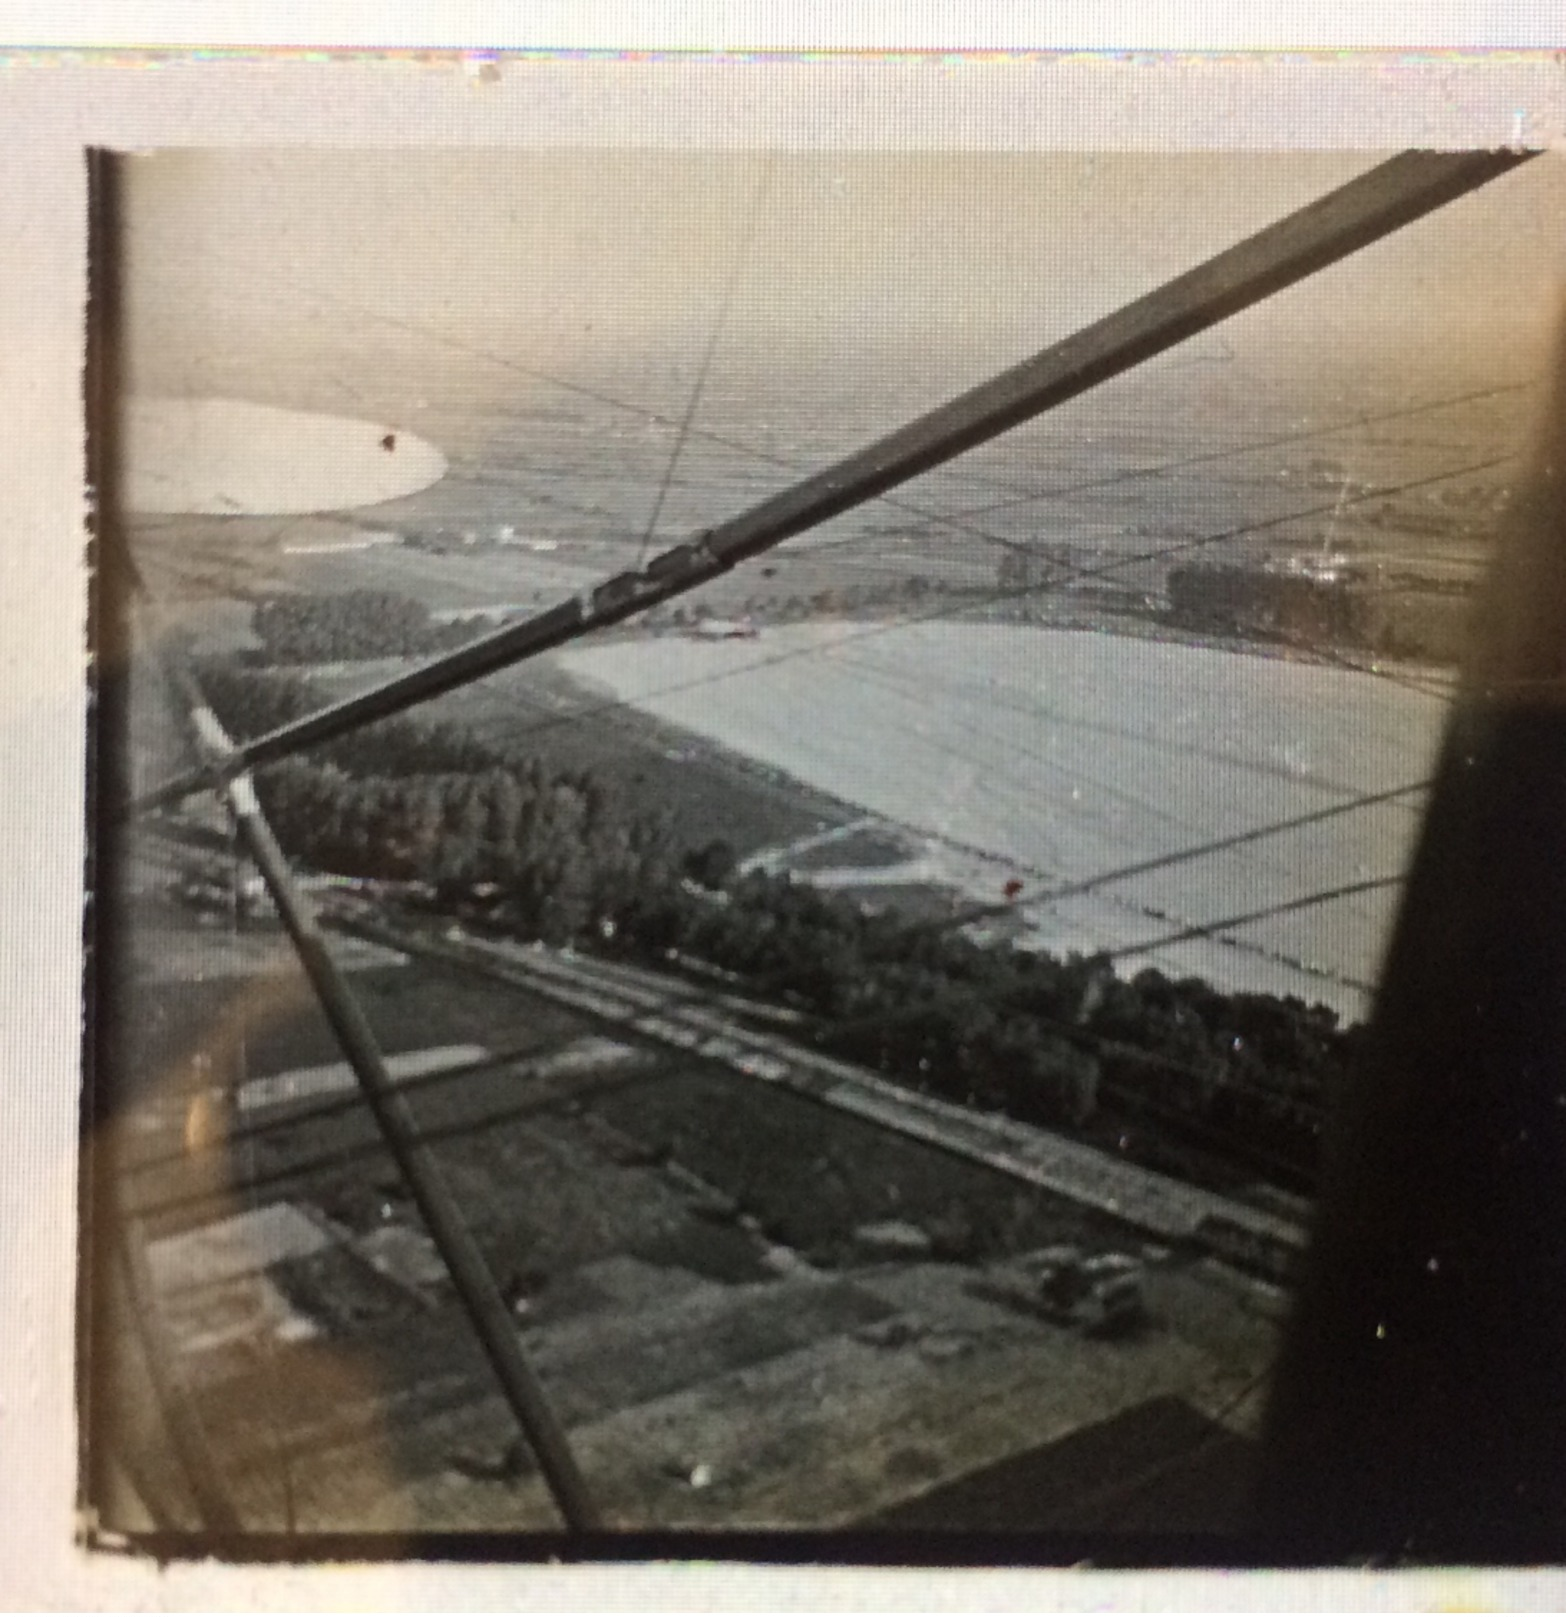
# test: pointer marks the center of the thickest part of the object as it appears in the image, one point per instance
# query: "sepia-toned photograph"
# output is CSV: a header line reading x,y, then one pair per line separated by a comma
x,y
781,864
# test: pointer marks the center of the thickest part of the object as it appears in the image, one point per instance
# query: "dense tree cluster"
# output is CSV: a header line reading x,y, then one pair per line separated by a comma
x,y
1047,1040
1418,618
348,626
1252,600
249,702
1041,1038
556,857
404,801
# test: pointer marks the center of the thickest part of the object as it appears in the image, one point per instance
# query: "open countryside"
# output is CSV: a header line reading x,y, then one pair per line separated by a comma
x,y
875,1015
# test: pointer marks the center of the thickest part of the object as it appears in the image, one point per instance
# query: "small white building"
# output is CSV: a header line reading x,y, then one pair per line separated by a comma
x,y
725,629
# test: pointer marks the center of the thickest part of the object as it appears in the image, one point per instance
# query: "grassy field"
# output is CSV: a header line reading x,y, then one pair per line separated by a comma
x,y
1051,757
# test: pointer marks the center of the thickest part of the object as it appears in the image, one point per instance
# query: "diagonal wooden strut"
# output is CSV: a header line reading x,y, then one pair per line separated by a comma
x,y
475,1286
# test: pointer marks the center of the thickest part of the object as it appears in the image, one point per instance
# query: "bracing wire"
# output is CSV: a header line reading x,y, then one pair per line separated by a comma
x,y
1093,1512
1023,592
1205,929
965,917
960,522
280,741
1144,867
714,336
1254,446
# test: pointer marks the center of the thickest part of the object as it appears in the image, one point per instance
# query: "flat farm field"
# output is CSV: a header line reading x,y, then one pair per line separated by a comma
x,y
1001,753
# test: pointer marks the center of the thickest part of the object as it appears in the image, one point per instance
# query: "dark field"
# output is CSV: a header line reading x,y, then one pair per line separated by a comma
x,y
679,1242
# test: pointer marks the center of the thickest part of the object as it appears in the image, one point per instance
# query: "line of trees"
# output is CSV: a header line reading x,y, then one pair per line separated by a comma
x,y
1062,1042
1042,1038
349,626
840,600
250,702
402,800
1426,620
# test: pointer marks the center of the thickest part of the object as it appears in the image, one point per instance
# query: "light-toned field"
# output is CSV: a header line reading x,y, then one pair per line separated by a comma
x,y
1053,756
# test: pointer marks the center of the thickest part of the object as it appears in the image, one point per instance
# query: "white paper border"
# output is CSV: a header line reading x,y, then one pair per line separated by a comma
x,y
54,104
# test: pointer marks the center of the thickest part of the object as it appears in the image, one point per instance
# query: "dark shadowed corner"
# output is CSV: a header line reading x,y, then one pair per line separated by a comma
x,y
1420,1404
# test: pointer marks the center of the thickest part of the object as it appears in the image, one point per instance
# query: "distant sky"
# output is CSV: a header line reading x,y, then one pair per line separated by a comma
x,y
310,277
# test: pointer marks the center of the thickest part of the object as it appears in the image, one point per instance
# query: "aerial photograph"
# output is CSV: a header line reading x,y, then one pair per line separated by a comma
x,y
754,801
